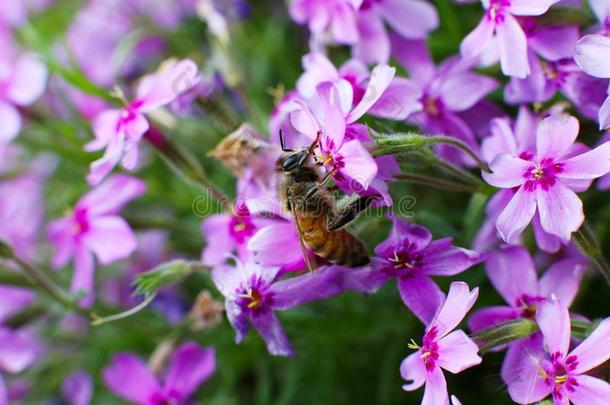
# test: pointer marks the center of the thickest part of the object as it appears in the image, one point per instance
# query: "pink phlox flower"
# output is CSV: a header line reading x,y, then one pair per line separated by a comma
x,y
119,131
94,228
442,349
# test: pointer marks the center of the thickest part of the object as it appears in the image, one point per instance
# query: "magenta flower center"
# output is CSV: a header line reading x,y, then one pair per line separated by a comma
x,y
241,228
543,174
357,90
432,106
496,9
403,261
528,305
253,296
429,349
366,4
558,374
81,222
329,158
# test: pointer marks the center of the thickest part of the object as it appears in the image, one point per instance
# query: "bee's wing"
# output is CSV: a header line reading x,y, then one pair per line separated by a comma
x,y
300,233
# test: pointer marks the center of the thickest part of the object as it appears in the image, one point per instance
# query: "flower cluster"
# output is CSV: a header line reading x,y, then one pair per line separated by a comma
x,y
95,127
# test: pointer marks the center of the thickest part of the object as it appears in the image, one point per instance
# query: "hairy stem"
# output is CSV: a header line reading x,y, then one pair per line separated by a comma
x,y
457,143
435,182
587,242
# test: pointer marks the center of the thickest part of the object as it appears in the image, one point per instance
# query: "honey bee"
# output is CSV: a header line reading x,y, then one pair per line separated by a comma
x,y
303,192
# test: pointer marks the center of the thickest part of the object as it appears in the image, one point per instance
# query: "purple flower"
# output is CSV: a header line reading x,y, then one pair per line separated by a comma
x,y
78,388
346,160
512,263
94,228
13,300
593,56
556,372
604,182
229,233
442,93
412,19
18,350
545,180
120,130
411,256
499,23
442,350
252,294
131,379
23,79
333,18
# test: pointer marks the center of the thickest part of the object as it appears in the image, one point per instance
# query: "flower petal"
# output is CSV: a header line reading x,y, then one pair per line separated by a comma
x,y
13,300
593,55
462,90
415,57
507,171
78,388
477,41
18,350
11,122
412,19
457,352
28,81
594,350
165,86
412,368
501,140
374,44
129,378
459,301
277,245
562,280
359,164
491,316
435,392
318,68
589,165
442,259
529,7
219,244
517,215
422,296
270,329
508,264
303,120
590,391
111,239
324,283
520,371
545,241
398,101
381,77
105,126
512,44
554,322
190,365
556,135
110,196
604,114
560,209
83,277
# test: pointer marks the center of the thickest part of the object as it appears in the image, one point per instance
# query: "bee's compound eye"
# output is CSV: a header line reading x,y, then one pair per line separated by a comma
x,y
294,160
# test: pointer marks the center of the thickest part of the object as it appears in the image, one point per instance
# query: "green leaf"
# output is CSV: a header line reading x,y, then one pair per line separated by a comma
x,y
163,275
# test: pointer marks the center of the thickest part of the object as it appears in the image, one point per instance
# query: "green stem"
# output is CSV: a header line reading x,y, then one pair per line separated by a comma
x,y
450,168
435,182
456,142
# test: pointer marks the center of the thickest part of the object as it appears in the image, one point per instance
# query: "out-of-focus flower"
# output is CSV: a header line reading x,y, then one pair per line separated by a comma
x,y
412,19
442,93
556,372
499,24
18,350
119,130
252,294
545,180
13,300
21,198
77,389
335,19
411,256
593,56
206,312
604,181
23,79
94,228
131,379
441,349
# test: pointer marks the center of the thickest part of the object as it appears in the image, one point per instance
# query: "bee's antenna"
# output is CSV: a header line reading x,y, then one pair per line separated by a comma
x,y
283,144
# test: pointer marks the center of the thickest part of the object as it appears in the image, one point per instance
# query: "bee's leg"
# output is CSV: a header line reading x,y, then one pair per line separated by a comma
x,y
346,215
319,185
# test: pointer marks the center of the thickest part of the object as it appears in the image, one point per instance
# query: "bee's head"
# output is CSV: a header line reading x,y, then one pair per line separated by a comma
x,y
294,160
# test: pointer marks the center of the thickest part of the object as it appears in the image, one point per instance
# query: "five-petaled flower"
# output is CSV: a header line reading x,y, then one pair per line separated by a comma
x,y
558,372
545,180
441,349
